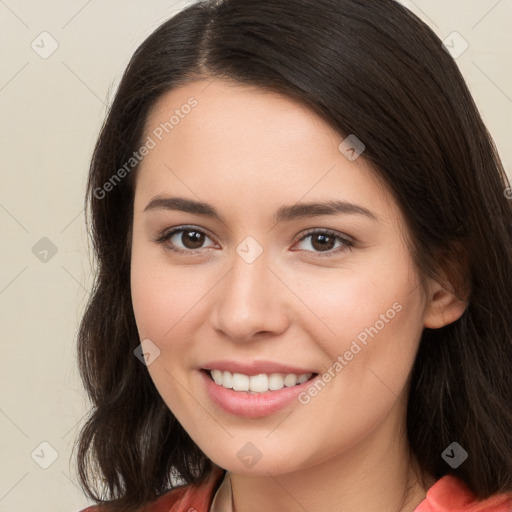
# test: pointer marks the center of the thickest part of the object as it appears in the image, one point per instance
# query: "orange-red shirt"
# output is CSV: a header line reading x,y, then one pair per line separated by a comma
x,y
448,494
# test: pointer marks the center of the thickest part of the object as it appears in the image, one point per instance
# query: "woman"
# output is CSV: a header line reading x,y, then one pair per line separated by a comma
x,y
301,302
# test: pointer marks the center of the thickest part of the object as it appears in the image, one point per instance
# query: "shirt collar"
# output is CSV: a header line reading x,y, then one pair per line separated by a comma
x,y
223,499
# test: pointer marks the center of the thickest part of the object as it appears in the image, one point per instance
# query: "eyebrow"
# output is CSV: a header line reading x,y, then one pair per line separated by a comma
x,y
283,214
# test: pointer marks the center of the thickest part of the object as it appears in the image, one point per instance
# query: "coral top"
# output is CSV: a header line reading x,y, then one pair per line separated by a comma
x,y
448,494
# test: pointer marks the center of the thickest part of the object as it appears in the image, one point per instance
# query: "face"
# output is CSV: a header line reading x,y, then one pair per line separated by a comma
x,y
333,292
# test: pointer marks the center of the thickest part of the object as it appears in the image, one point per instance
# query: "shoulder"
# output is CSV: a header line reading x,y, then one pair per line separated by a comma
x,y
449,494
186,498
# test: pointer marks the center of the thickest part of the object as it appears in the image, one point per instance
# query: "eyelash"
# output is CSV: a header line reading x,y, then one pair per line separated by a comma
x,y
167,235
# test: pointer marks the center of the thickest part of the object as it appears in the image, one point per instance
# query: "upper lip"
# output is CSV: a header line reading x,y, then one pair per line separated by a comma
x,y
255,367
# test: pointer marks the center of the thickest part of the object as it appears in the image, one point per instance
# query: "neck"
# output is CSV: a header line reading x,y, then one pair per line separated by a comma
x,y
375,474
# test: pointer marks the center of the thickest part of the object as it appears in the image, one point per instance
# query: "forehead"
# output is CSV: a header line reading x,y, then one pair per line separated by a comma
x,y
243,111
213,132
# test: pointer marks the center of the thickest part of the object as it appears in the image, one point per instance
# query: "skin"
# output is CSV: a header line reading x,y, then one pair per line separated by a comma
x,y
248,152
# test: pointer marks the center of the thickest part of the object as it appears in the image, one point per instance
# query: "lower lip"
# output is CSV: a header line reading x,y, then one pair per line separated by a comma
x,y
252,405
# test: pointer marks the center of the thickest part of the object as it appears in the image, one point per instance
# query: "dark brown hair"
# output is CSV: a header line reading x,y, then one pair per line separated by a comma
x,y
368,68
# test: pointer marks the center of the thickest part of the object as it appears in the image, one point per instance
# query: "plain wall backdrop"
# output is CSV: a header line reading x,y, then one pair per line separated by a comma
x,y
61,63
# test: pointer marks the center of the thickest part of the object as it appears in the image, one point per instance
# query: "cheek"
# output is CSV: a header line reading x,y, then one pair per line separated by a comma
x,y
162,294
163,299
371,318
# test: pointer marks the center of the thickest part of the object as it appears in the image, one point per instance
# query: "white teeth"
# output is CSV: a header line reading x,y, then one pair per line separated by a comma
x,y
303,378
257,383
240,382
217,376
290,380
275,381
227,379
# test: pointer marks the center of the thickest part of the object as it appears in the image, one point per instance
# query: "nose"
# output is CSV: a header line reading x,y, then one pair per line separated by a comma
x,y
251,300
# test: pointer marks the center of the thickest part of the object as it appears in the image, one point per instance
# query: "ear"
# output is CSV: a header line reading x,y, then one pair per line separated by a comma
x,y
444,306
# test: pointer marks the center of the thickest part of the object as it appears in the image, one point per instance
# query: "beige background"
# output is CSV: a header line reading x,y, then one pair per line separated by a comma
x,y
51,111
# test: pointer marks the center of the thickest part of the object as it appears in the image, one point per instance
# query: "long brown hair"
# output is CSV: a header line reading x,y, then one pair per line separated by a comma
x,y
368,68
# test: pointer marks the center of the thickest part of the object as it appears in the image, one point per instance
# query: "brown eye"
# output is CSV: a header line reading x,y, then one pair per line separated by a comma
x,y
324,241
184,240
192,239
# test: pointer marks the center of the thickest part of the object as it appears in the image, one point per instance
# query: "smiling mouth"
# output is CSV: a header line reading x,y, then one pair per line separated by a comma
x,y
256,384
